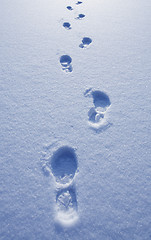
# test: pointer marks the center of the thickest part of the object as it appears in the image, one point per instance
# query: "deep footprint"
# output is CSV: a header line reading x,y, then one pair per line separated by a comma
x,y
86,41
66,206
64,165
100,100
67,25
61,163
80,16
65,61
69,8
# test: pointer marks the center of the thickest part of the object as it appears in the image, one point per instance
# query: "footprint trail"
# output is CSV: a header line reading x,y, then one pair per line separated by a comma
x,y
66,60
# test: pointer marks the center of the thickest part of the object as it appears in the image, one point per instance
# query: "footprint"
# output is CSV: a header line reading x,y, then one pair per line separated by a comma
x,y
69,8
63,165
101,100
65,61
80,16
66,206
86,41
67,25
79,2
97,114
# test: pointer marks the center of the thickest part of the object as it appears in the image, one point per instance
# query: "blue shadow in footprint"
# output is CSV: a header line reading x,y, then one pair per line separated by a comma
x,y
86,41
69,8
65,61
80,16
100,99
64,164
67,25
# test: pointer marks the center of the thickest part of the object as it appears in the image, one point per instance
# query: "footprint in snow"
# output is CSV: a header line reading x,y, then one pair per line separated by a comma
x,y
67,25
65,61
69,8
63,165
97,114
86,41
80,16
66,206
79,2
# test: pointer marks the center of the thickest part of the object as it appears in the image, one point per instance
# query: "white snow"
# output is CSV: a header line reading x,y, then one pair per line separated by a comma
x,y
105,192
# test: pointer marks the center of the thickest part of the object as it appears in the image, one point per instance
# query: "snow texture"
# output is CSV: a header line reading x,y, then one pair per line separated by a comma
x,y
75,120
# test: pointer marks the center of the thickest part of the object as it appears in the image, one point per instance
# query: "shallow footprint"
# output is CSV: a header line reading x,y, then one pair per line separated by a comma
x,y
86,41
79,2
65,61
67,25
64,165
69,8
97,114
66,206
80,16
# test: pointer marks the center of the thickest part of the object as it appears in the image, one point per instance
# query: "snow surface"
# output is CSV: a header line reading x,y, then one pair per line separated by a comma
x,y
51,111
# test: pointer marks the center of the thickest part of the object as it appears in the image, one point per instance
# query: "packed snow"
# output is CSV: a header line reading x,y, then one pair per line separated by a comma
x,y
75,120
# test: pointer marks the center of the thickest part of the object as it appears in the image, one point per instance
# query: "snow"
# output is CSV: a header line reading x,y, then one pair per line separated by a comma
x,y
48,111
